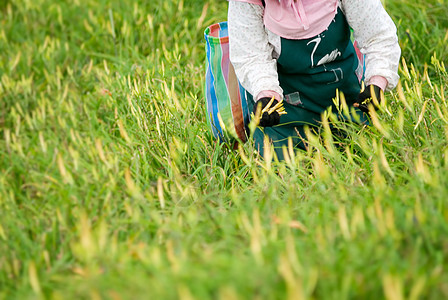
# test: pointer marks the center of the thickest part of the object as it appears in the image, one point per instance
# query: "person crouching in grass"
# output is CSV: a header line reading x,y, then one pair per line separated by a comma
x,y
300,52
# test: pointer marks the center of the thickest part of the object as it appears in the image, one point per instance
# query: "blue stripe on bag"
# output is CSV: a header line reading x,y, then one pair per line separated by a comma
x,y
212,107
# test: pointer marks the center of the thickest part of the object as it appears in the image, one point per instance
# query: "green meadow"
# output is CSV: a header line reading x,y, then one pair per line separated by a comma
x,y
113,187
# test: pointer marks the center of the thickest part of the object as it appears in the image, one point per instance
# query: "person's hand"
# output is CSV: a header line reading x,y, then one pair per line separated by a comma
x,y
366,96
268,117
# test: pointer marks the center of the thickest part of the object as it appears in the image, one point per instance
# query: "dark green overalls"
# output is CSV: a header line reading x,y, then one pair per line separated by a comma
x,y
309,72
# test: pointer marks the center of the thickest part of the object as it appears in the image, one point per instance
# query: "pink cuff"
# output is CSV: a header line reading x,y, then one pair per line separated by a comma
x,y
379,81
269,94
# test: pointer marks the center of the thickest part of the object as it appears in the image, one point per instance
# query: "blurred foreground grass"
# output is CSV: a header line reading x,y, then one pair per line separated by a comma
x,y
111,185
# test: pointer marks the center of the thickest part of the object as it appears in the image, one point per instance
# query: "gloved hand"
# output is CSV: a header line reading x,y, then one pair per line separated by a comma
x,y
366,97
266,119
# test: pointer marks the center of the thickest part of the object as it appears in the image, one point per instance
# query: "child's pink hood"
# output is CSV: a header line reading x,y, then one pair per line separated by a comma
x,y
297,19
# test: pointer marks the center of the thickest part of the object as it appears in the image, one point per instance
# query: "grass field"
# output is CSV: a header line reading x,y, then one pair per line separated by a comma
x,y
112,187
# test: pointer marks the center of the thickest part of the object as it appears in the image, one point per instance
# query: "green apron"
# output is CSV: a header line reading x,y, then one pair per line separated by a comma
x,y
309,73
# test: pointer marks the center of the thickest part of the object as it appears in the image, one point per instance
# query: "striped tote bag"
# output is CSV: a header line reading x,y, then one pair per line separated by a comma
x,y
227,111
